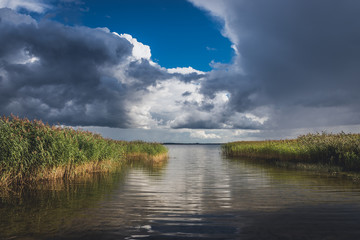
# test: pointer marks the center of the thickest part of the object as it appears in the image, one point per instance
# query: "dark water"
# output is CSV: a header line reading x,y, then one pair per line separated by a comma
x,y
198,194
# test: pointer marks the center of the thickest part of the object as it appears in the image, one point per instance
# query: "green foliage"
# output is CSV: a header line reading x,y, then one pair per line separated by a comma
x,y
27,146
151,149
334,149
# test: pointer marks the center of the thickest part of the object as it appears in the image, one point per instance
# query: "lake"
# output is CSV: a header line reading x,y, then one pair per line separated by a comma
x,y
197,194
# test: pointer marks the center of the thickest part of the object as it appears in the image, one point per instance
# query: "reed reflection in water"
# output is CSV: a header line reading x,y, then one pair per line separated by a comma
x,y
198,194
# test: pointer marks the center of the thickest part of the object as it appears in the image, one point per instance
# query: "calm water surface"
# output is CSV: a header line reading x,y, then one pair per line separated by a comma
x,y
198,194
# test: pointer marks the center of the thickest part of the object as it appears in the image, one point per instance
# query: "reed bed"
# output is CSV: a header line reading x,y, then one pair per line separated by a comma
x,y
342,150
32,150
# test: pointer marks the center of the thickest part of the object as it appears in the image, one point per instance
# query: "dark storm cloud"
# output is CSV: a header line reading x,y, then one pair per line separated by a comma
x,y
61,74
190,77
195,123
144,72
298,55
303,51
185,94
64,83
240,88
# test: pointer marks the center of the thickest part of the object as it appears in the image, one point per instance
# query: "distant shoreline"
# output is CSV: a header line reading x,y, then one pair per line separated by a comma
x,y
192,143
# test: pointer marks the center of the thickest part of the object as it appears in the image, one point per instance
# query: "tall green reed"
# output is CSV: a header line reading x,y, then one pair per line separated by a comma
x,y
27,146
334,149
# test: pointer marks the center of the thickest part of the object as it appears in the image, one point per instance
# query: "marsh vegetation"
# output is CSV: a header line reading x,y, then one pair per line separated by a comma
x,y
332,150
32,150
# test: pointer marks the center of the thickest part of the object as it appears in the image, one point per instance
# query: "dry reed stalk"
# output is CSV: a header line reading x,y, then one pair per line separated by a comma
x,y
161,157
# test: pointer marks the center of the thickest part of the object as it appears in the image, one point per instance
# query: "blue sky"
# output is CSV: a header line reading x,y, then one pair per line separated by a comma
x,y
183,70
180,35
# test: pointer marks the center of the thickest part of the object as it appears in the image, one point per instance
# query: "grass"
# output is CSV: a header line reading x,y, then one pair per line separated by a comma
x,y
32,150
333,150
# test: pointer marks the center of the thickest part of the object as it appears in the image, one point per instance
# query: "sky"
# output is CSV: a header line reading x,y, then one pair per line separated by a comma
x,y
183,70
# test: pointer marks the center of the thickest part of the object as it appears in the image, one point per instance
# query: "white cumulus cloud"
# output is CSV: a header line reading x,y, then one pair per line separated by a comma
x,y
139,51
184,70
30,5
201,134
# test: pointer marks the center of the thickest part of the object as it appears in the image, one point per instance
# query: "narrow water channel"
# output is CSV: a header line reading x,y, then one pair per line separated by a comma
x,y
197,194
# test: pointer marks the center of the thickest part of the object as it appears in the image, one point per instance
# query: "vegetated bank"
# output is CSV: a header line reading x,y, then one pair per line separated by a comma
x,y
32,151
334,152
